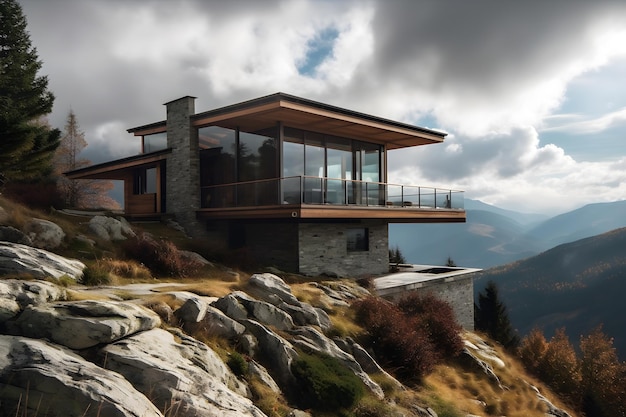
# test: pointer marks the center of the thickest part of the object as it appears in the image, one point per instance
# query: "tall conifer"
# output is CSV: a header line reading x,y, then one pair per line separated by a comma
x,y
26,141
491,316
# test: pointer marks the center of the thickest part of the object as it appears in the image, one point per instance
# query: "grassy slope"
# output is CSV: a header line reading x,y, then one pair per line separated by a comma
x,y
454,389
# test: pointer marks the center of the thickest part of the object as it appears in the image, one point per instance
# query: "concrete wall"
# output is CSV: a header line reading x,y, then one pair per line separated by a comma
x,y
182,191
457,291
323,250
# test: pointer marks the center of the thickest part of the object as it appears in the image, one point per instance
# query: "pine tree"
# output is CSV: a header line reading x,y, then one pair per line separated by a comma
x,y
26,141
78,193
491,317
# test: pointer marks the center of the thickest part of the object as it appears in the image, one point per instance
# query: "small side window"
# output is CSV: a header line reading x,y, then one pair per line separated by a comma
x,y
358,240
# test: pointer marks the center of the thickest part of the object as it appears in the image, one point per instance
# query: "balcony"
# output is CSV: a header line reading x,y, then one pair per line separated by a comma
x,y
324,198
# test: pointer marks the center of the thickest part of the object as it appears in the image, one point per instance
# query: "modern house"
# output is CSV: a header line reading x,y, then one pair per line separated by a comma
x,y
295,183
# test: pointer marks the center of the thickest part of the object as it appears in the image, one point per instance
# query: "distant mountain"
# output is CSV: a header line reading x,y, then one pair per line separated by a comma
x,y
524,219
493,236
577,285
487,239
590,220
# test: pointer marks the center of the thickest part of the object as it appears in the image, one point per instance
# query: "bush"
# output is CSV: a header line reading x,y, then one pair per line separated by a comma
x,y
397,339
237,364
325,383
411,337
95,275
436,318
162,257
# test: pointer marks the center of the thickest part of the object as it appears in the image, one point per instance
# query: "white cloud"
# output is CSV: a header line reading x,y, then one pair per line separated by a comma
x,y
577,124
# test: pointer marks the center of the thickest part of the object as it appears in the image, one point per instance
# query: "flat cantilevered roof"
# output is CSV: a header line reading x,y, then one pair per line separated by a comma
x,y
410,277
268,111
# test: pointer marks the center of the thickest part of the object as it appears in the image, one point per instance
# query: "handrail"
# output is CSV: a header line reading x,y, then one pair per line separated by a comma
x,y
324,190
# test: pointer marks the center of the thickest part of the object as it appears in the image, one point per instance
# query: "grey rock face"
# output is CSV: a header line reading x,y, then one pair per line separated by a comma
x,y
186,374
51,375
84,324
15,295
239,306
16,259
44,234
277,352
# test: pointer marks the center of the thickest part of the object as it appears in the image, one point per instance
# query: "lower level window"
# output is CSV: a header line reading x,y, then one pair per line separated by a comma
x,y
358,239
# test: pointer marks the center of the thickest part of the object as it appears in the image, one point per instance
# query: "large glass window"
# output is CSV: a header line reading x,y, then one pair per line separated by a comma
x,y
217,165
154,142
330,164
257,157
230,157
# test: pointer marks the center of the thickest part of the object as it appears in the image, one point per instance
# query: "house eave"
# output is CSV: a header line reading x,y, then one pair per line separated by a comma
x,y
116,169
339,212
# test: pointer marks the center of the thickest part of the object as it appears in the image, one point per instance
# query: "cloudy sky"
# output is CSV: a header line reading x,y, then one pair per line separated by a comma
x,y
531,93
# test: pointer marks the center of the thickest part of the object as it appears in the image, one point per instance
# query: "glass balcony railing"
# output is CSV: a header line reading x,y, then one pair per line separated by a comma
x,y
316,190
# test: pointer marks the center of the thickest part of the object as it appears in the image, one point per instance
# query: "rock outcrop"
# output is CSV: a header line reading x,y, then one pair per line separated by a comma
x,y
41,378
16,259
108,228
130,358
44,234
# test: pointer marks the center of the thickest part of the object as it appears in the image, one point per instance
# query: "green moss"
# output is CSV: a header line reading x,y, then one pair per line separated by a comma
x,y
325,383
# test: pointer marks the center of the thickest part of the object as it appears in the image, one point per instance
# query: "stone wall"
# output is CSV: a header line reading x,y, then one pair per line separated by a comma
x,y
323,250
458,291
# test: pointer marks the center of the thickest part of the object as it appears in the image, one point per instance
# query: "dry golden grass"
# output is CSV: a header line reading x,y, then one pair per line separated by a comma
x,y
470,391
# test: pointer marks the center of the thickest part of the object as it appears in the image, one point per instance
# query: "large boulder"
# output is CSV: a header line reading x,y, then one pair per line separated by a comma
x,y
13,235
108,228
16,259
273,289
264,312
44,234
15,295
275,352
39,378
183,373
84,324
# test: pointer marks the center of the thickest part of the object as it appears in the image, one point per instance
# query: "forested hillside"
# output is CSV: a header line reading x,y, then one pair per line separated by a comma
x,y
577,285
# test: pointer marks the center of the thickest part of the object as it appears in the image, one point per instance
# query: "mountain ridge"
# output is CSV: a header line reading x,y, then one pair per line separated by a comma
x,y
493,236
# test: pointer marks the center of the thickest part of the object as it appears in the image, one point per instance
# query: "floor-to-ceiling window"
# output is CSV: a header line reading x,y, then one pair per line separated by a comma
x,y
229,156
329,164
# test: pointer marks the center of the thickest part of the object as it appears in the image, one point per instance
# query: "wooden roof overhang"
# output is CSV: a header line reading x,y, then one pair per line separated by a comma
x,y
115,170
327,212
264,112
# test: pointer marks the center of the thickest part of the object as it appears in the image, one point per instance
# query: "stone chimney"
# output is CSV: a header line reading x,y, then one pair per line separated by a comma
x,y
182,191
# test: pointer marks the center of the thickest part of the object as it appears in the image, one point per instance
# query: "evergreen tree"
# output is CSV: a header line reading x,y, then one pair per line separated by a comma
x,y
396,256
26,141
491,317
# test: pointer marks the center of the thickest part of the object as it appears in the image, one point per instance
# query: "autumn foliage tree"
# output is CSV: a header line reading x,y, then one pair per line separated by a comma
x,y
593,382
78,193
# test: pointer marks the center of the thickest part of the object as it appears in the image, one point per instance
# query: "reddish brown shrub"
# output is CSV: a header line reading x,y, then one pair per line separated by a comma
x,y
162,257
434,317
397,339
